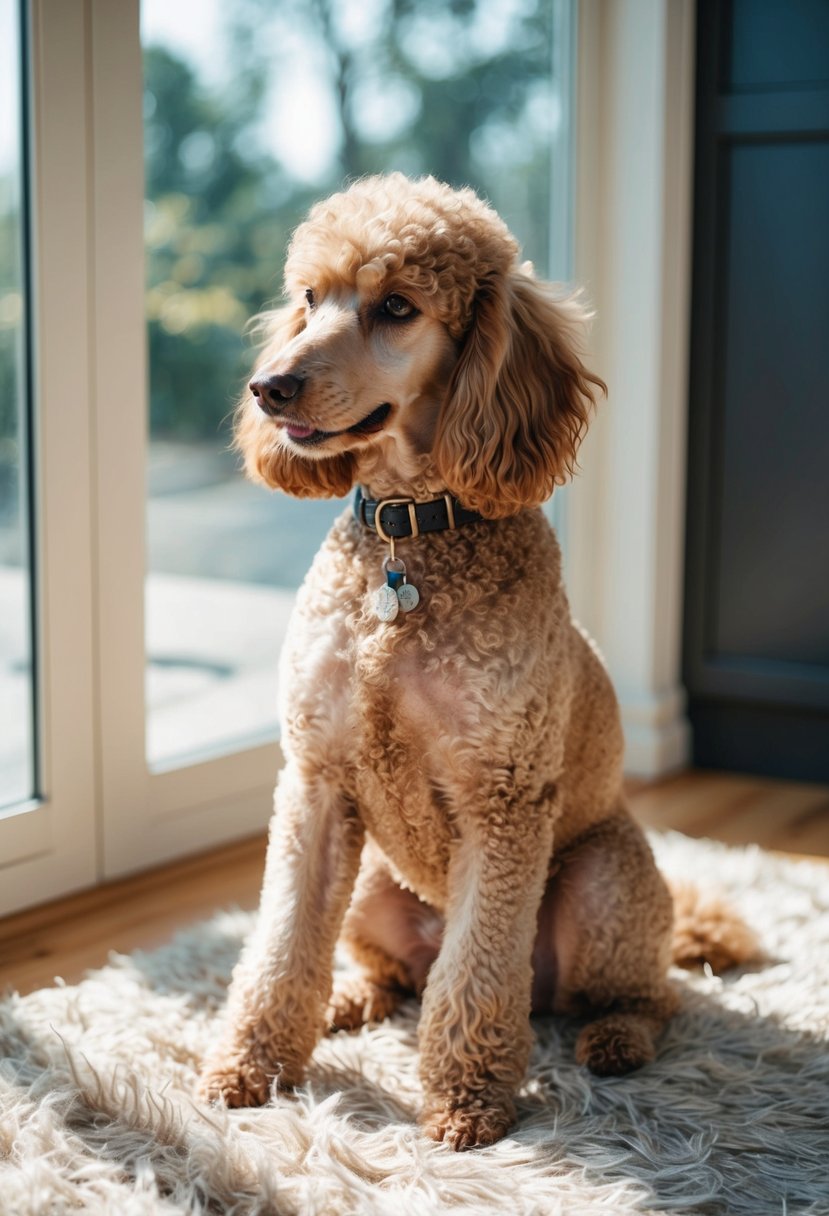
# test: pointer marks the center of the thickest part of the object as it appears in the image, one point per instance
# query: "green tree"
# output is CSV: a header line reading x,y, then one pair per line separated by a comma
x,y
213,247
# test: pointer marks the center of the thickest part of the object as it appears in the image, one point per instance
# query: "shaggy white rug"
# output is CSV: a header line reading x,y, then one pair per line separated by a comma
x,y
96,1112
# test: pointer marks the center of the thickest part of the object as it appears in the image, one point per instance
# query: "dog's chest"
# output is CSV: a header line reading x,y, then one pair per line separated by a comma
x,y
363,718
404,715
412,726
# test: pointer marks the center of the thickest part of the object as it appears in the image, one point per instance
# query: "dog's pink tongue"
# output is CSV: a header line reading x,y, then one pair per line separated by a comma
x,y
298,432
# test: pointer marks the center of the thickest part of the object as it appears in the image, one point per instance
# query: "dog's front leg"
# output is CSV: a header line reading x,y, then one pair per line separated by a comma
x,y
277,998
475,1033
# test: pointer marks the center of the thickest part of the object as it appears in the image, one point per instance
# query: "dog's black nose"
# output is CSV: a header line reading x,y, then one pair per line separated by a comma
x,y
272,392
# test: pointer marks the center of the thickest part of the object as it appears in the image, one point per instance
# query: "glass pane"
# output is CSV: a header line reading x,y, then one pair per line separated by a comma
x,y
235,153
17,743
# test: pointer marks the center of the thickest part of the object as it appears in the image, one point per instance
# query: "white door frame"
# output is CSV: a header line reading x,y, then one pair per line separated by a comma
x,y
49,845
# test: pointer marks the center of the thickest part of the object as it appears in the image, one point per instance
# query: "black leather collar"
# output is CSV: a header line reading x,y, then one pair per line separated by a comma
x,y
392,518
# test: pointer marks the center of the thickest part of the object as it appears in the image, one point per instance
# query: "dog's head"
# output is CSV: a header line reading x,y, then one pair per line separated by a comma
x,y
414,344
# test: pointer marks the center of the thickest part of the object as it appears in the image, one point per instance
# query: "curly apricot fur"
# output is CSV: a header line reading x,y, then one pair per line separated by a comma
x,y
451,801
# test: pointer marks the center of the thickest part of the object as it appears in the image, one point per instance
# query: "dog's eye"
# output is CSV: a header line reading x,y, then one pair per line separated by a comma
x,y
398,307
309,297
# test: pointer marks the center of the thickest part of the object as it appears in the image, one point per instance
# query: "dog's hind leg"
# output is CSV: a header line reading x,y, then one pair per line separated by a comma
x,y
605,934
393,936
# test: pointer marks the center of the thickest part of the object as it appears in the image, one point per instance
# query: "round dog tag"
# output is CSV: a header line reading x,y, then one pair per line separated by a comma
x,y
408,597
386,604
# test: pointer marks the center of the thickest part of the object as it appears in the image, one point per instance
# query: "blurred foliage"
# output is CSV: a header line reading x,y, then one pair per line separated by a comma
x,y
426,86
210,251
11,352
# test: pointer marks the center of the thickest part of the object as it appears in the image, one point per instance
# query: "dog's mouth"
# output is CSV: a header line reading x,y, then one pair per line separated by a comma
x,y
308,436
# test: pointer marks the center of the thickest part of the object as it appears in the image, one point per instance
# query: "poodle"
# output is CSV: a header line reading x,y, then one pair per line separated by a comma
x,y
451,803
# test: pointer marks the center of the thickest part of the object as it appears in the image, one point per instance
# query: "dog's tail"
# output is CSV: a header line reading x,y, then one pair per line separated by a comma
x,y
708,930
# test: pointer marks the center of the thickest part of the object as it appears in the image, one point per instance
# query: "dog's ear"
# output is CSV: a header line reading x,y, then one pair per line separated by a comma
x,y
268,459
519,399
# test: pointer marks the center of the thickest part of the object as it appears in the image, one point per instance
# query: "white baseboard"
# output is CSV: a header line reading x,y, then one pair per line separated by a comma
x,y
657,734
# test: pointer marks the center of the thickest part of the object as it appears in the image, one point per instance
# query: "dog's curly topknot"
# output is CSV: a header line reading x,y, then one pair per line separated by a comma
x,y
450,241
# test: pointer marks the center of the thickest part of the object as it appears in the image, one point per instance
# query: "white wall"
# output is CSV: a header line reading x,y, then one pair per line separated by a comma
x,y
625,514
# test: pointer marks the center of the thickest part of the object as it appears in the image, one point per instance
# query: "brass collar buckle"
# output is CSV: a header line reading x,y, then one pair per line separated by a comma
x,y
395,502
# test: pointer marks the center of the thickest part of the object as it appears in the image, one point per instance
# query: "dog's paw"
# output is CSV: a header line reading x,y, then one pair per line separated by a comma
x,y
615,1044
243,1078
357,1001
239,1082
471,1125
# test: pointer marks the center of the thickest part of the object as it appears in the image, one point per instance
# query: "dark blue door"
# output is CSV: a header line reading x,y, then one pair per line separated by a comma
x,y
757,570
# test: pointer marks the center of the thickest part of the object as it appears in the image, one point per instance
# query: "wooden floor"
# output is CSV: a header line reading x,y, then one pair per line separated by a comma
x,y
67,937
785,816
